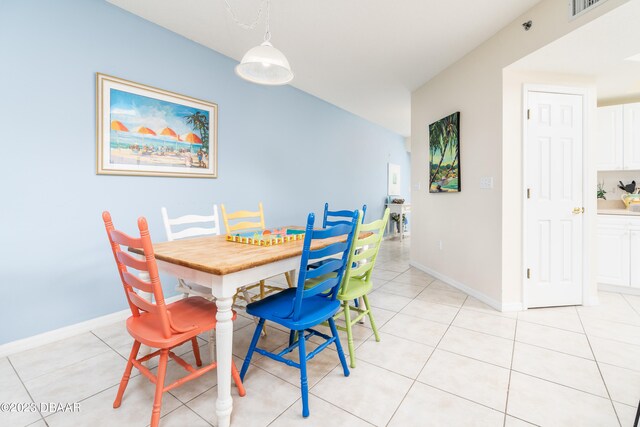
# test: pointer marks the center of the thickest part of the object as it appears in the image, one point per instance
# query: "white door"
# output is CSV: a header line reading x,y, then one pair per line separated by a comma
x,y
553,208
631,136
610,138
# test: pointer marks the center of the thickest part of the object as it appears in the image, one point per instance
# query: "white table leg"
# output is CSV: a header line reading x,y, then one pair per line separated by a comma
x,y
294,277
224,341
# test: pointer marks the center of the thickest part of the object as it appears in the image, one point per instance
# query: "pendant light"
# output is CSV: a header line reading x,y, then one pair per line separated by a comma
x,y
265,64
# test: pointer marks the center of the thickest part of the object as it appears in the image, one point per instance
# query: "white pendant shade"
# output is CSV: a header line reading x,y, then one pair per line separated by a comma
x,y
265,65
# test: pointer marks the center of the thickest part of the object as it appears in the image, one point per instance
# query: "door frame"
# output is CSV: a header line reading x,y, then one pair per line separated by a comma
x,y
586,221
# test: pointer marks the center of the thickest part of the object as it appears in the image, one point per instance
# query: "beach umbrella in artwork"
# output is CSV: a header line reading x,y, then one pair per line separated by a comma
x,y
171,134
145,131
118,127
192,138
168,132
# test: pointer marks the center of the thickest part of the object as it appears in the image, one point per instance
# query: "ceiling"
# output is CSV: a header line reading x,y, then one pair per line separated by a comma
x,y
599,49
365,56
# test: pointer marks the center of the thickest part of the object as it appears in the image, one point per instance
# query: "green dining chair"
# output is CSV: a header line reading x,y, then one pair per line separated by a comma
x,y
357,281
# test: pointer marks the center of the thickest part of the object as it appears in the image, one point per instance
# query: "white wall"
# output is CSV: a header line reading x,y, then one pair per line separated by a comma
x,y
480,229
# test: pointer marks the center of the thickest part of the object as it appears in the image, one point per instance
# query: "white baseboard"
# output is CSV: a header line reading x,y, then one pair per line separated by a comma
x,y
515,306
619,289
18,346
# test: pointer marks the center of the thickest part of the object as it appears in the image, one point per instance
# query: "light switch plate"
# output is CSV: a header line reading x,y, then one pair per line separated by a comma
x,y
486,182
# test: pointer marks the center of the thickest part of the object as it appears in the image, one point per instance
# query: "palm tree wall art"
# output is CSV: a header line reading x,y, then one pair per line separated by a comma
x,y
444,155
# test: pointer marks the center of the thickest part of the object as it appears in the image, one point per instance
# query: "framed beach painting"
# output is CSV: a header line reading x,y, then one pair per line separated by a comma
x,y
142,130
444,155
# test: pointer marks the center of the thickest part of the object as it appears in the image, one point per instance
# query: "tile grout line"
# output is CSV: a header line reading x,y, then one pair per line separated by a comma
x,y
197,414
599,370
513,353
324,376
631,305
426,362
26,389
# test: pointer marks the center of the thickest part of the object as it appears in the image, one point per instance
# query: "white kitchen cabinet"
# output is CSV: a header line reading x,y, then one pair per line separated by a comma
x,y
610,137
631,136
619,137
613,252
634,256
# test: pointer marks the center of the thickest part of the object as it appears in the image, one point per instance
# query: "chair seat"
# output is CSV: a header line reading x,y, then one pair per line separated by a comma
x,y
357,287
194,312
278,308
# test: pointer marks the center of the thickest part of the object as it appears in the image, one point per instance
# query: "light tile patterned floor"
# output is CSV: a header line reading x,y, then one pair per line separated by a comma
x,y
445,359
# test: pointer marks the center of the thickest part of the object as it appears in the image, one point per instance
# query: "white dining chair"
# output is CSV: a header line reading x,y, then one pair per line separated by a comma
x,y
195,226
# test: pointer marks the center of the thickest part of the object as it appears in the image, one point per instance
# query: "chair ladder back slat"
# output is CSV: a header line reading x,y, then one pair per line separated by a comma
x,y
334,231
136,282
131,261
125,240
321,287
367,241
194,232
213,222
329,250
245,226
365,254
257,223
329,223
360,270
142,303
328,267
372,226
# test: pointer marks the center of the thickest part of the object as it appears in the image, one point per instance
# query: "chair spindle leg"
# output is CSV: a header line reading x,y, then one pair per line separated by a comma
x,y
127,374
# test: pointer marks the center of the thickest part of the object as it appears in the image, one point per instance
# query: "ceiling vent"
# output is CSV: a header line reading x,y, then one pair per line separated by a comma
x,y
578,7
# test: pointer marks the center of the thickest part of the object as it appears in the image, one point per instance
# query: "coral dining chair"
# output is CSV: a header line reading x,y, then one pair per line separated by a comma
x,y
156,324
311,303
357,281
244,221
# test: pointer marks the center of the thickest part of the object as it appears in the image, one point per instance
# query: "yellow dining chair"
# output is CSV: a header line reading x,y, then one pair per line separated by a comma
x,y
241,222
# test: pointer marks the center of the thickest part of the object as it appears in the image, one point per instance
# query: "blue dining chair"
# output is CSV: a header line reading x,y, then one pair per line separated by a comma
x,y
345,215
341,217
311,303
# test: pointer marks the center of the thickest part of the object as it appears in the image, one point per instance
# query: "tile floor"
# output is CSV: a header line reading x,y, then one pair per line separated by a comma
x,y
445,359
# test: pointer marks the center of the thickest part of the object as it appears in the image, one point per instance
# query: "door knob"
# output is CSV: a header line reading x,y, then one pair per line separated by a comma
x,y
577,211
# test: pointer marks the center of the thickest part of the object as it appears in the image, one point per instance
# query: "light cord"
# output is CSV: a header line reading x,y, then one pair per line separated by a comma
x,y
255,22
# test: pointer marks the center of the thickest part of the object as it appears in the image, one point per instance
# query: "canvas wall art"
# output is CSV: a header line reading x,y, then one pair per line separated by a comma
x,y
444,155
142,130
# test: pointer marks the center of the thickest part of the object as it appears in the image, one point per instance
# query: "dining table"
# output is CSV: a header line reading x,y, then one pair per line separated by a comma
x,y
224,266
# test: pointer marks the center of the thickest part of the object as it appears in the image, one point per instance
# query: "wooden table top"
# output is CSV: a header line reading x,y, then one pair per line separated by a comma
x,y
215,255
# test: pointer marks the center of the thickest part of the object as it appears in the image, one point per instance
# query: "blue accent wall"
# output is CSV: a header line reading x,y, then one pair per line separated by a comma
x,y
278,145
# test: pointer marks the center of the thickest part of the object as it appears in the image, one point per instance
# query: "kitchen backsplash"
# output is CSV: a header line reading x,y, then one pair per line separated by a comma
x,y
611,180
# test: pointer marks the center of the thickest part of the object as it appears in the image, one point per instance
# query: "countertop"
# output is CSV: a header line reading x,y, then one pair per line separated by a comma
x,y
614,207
622,211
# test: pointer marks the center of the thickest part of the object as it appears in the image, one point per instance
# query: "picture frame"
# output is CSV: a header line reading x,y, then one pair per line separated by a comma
x,y
146,131
444,155
393,179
